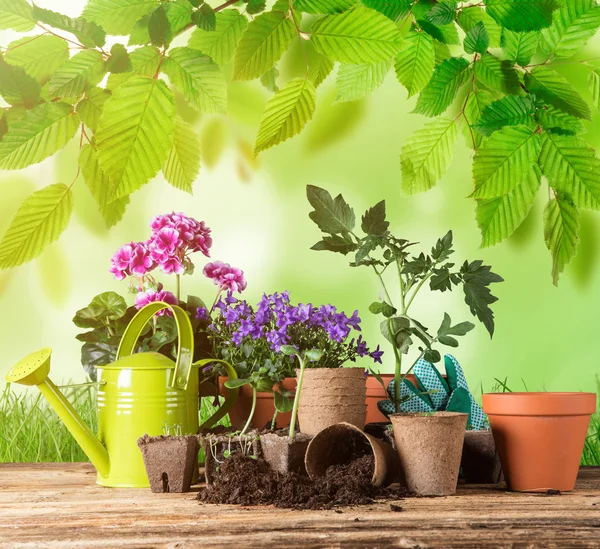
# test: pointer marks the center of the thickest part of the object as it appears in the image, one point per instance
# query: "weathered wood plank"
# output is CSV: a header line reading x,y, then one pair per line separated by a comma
x,y
58,505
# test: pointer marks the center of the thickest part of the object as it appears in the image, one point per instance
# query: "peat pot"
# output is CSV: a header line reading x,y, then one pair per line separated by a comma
x,y
539,437
480,462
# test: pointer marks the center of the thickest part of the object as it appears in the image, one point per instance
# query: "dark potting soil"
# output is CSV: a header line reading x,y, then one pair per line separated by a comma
x,y
245,481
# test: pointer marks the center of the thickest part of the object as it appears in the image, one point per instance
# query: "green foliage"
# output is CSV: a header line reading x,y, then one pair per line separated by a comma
x,y
220,44
477,39
561,225
415,62
76,74
38,57
183,163
519,47
16,15
521,15
356,81
510,110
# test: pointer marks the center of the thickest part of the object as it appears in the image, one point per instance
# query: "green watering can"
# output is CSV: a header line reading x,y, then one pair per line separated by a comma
x,y
138,394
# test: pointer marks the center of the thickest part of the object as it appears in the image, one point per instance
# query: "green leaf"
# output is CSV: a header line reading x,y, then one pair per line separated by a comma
x,y
263,43
415,62
440,92
504,161
220,44
159,28
289,350
360,35
355,82
283,404
183,163
82,70
269,80
205,18
100,187
117,16
573,24
472,15
90,107
499,217
118,61
460,329
476,281
314,355
561,225
442,13
89,34
199,79
443,248
235,383
427,154
16,15
555,90
510,110
332,216
108,305
320,68
39,57
323,6
521,15
335,243
380,307
557,121
446,34
135,133
286,113
39,221
477,39
474,107
373,221
594,87
397,331
255,6
396,10
496,74
519,47
17,87
178,15
572,168
39,134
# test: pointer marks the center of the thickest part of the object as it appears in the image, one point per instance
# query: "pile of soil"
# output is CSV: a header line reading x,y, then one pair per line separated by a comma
x,y
246,481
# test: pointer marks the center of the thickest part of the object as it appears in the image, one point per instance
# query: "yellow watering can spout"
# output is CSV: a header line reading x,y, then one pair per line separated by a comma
x,y
34,370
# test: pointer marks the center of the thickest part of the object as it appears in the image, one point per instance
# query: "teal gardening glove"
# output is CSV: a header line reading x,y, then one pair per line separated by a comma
x,y
435,394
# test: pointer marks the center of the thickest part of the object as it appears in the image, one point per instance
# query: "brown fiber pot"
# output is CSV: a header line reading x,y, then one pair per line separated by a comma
x,y
341,443
265,406
330,396
539,437
430,449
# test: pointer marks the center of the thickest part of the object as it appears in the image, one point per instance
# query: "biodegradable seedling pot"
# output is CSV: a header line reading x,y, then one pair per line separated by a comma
x,y
342,443
480,462
429,446
539,437
170,461
330,396
220,444
284,454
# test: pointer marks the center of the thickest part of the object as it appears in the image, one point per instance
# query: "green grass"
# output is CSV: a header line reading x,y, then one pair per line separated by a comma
x,y
30,431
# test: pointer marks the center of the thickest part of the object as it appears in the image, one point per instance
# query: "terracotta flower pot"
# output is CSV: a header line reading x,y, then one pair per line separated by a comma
x,y
430,449
265,406
330,396
539,437
341,443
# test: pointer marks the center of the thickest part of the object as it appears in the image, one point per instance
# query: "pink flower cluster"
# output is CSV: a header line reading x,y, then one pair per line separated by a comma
x,y
174,237
225,276
150,296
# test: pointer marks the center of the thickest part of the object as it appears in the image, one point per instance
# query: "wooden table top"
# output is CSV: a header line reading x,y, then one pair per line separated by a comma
x,y
59,505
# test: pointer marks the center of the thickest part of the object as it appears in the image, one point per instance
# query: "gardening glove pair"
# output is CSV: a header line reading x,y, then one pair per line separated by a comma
x,y
433,393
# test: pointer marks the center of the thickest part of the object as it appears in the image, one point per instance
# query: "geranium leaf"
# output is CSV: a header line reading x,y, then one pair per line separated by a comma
x,y
17,88
519,47
286,113
499,217
183,163
117,16
38,57
510,110
220,44
16,15
504,161
415,62
427,154
355,82
199,79
40,220
561,227
263,43
88,33
440,92
496,74
360,35
84,69
521,15
572,168
333,216
135,133
100,187
554,89
323,6
37,135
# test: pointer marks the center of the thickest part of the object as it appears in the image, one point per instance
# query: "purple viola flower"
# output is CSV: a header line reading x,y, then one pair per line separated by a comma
x,y
354,321
376,355
361,347
202,313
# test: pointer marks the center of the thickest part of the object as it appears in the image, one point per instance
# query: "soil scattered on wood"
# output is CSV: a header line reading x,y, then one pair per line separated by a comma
x,y
242,480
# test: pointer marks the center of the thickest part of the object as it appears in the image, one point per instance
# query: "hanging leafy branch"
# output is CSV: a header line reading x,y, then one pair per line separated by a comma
x,y
491,61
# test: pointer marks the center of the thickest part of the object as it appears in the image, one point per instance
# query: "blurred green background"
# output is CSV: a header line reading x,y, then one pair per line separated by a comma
x,y
545,336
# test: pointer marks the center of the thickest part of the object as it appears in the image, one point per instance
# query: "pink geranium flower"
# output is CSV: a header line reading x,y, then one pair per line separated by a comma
x,y
225,276
150,296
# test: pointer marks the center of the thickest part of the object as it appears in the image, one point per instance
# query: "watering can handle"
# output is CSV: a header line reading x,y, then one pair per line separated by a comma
x,y
185,340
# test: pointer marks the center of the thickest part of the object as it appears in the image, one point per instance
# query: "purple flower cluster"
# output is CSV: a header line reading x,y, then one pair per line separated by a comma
x,y
276,322
174,237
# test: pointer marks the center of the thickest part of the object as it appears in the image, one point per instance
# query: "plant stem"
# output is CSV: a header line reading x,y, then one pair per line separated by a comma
x,y
419,286
273,424
246,427
292,432
397,380
402,289
387,294
178,287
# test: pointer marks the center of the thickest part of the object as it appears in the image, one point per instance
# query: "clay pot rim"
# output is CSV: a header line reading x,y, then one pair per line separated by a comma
x,y
539,403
